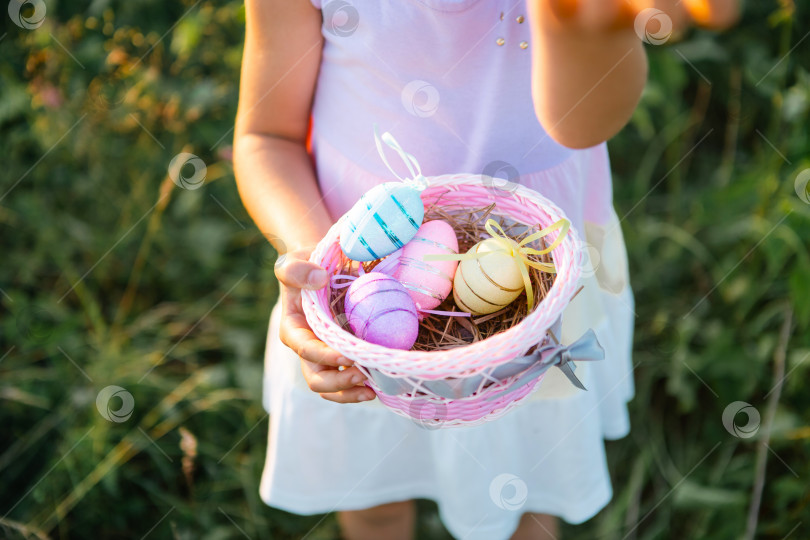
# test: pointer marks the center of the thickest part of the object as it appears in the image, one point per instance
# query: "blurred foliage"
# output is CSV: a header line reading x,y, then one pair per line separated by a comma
x,y
114,276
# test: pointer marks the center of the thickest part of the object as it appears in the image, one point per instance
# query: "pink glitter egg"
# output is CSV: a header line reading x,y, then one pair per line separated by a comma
x,y
428,282
380,310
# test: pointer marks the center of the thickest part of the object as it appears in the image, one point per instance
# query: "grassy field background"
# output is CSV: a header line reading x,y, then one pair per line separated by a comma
x,y
112,275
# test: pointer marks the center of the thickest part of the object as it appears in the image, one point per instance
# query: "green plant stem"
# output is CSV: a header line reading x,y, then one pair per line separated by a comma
x,y
770,412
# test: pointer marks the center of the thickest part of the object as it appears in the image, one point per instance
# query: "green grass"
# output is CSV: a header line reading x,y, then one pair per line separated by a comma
x,y
112,275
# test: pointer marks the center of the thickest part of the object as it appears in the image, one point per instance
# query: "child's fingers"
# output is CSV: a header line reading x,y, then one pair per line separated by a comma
x,y
296,335
338,386
658,18
710,13
586,14
645,9
597,14
713,13
353,395
564,9
323,379
299,273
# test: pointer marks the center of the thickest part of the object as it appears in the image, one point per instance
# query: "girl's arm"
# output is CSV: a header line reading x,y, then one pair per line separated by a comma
x,y
585,84
589,66
275,176
273,170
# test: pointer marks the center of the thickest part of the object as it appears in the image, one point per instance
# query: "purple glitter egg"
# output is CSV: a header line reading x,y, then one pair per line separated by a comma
x,y
380,310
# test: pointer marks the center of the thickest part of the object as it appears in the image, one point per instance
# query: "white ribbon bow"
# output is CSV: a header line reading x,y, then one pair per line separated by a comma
x,y
416,179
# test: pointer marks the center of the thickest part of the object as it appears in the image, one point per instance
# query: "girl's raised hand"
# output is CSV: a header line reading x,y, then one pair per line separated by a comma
x,y
610,14
319,362
582,45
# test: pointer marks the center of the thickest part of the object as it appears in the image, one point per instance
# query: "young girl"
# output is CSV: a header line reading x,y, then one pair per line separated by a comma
x,y
530,88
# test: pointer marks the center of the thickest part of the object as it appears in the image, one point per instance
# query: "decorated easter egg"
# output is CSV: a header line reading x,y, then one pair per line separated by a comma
x,y
486,284
428,283
380,310
384,219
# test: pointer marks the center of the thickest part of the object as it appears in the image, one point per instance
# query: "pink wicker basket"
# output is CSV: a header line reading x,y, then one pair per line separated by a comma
x,y
492,375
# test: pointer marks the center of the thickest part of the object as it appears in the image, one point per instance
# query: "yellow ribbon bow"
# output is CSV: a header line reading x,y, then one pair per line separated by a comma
x,y
518,251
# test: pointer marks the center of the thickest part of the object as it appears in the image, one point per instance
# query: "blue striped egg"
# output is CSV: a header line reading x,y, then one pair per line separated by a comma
x,y
384,219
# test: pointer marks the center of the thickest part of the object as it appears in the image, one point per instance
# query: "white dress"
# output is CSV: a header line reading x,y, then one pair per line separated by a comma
x,y
547,455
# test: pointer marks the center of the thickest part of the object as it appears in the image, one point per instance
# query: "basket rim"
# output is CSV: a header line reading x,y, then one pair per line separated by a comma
x,y
413,362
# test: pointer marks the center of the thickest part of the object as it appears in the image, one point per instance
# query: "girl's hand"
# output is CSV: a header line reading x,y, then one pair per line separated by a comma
x,y
593,52
319,362
613,14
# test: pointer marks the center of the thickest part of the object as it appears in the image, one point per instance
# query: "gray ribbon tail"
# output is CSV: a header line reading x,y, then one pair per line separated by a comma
x,y
569,372
587,348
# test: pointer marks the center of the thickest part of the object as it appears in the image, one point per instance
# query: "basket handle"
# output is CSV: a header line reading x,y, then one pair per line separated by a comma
x,y
586,348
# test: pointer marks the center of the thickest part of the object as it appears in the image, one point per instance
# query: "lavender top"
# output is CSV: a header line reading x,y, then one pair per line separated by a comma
x,y
450,79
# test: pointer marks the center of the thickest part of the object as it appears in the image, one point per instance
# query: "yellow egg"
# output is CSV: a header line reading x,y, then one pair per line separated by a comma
x,y
489,283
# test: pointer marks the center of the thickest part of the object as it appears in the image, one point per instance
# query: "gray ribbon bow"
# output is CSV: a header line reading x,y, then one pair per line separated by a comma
x,y
586,348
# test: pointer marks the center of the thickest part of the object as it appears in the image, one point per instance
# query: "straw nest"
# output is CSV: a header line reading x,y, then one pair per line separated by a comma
x,y
437,332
